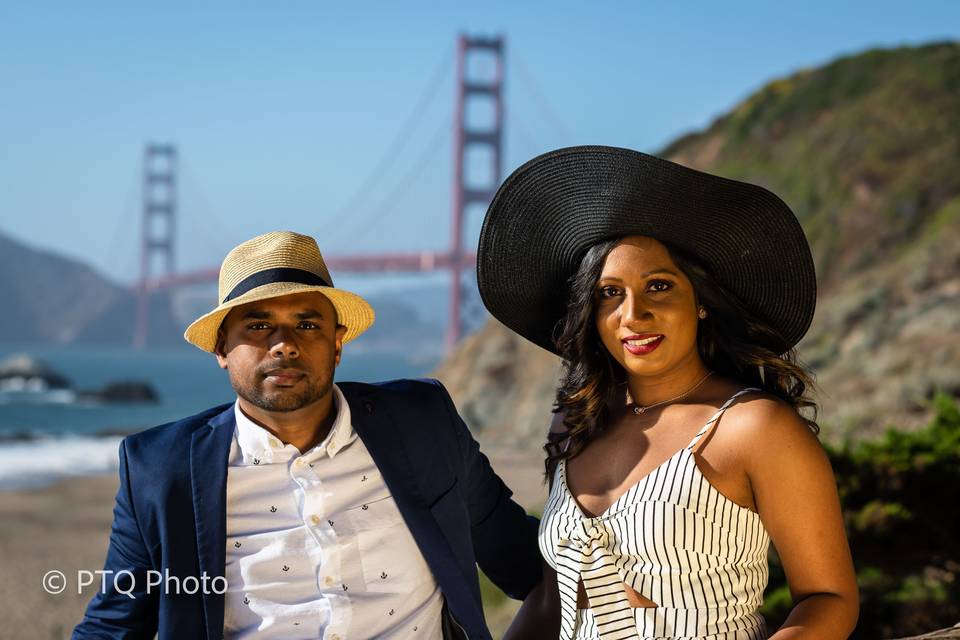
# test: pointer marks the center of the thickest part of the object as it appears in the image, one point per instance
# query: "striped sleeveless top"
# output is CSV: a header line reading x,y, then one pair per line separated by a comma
x,y
676,540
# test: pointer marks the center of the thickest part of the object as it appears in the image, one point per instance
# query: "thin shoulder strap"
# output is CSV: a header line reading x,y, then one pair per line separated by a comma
x,y
717,415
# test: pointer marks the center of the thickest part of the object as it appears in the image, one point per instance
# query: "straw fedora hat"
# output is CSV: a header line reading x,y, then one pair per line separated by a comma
x,y
551,210
276,264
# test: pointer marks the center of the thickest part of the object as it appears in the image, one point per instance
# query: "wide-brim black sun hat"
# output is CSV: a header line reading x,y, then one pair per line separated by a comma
x,y
549,211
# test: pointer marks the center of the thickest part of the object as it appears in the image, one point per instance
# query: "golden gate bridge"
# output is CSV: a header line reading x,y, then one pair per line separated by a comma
x,y
160,200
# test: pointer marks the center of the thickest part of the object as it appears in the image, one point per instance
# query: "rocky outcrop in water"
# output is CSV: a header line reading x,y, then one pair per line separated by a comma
x,y
23,373
27,379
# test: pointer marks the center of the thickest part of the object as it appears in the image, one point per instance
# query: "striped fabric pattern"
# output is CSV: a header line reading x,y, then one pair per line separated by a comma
x,y
676,540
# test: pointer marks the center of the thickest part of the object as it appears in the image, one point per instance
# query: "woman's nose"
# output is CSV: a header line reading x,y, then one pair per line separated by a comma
x,y
634,308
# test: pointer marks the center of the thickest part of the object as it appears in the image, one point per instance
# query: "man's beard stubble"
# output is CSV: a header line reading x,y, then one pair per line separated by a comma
x,y
283,399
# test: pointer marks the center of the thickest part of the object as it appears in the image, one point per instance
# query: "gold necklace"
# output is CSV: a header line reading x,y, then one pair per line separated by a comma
x,y
640,410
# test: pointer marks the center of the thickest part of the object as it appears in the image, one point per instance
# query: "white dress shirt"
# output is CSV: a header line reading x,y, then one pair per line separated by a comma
x,y
316,547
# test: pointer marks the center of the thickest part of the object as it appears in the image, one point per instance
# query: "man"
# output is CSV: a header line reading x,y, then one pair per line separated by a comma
x,y
305,509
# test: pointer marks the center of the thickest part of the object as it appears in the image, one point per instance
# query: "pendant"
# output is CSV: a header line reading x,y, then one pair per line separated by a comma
x,y
639,410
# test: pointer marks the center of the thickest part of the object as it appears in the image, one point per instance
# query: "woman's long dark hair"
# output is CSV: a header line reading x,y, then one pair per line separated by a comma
x,y
731,341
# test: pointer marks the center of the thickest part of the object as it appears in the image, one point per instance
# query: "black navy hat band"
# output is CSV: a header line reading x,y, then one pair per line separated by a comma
x,y
280,274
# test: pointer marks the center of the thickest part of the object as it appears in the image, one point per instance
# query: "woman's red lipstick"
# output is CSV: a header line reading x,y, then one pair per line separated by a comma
x,y
642,349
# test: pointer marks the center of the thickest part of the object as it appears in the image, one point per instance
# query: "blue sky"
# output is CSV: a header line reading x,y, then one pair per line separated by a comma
x,y
282,110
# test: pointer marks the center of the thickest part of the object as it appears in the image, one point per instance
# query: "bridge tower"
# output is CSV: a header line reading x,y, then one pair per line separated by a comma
x,y
477,154
158,227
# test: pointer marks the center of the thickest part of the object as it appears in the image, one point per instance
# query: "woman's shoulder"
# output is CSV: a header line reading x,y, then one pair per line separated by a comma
x,y
768,423
754,408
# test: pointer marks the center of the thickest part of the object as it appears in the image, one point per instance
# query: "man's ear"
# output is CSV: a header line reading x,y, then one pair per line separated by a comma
x,y
220,349
338,339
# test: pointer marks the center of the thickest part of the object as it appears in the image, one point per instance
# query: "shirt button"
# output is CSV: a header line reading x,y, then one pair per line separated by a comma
x,y
275,443
315,519
300,462
329,581
335,637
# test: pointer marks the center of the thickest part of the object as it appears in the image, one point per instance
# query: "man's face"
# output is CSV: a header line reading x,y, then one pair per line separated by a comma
x,y
281,353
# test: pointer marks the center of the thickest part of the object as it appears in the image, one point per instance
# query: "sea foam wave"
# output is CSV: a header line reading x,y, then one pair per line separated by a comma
x,y
42,460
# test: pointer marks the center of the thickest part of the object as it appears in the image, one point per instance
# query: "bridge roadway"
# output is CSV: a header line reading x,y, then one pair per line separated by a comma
x,y
422,262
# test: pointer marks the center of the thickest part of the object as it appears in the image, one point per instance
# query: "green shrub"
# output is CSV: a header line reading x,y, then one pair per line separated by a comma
x,y
900,497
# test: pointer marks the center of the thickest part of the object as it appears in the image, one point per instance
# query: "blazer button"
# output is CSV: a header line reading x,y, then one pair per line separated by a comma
x,y
368,407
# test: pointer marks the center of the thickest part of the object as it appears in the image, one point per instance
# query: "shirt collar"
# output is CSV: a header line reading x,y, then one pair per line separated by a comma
x,y
259,446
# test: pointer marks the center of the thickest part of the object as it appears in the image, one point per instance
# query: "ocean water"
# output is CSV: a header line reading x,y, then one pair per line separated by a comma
x,y
41,442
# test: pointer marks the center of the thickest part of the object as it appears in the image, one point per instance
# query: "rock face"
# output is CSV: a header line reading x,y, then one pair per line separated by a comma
x,y
503,386
866,150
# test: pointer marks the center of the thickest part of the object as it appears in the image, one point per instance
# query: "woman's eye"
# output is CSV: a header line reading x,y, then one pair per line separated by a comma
x,y
659,286
608,292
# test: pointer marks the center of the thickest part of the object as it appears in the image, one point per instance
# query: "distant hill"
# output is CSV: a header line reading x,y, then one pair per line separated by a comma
x,y
404,324
866,150
49,299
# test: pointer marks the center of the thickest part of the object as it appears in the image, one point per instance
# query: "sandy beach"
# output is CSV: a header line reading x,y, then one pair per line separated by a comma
x,y
66,526
62,527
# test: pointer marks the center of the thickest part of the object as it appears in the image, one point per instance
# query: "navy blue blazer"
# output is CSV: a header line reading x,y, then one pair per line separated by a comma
x,y
170,512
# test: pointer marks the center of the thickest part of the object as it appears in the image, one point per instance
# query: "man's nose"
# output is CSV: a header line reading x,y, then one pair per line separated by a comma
x,y
284,343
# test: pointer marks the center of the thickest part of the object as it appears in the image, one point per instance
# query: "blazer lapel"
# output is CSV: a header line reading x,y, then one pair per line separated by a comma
x,y
378,431
209,450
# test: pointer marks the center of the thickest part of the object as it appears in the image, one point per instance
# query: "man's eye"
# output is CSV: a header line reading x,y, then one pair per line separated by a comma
x,y
309,325
257,325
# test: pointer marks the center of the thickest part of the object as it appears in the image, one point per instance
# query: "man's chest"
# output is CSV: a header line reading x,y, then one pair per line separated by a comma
x,y
325,531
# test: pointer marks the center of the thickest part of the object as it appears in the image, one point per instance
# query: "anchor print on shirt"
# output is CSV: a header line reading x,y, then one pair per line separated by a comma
x,y
246,600
364,478
256,461
273,509
285,568
237,544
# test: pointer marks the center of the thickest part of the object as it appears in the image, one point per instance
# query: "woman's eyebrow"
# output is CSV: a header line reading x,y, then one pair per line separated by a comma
x,y
660,270
642,275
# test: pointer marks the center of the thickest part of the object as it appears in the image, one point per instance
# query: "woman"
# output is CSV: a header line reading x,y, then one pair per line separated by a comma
x,y
677,451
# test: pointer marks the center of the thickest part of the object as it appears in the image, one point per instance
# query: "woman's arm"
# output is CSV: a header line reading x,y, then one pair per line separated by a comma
x,y
796,497
539,616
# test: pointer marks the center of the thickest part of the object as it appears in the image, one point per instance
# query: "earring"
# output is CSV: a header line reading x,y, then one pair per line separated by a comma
x,y
702,313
